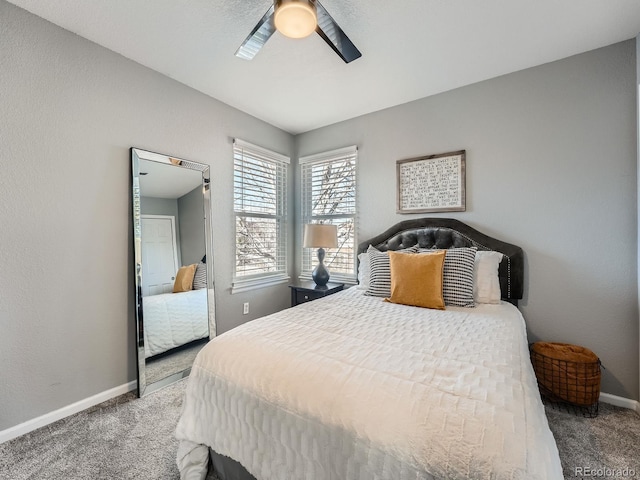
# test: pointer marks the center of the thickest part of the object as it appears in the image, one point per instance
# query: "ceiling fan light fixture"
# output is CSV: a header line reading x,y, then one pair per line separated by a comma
x,y
295,18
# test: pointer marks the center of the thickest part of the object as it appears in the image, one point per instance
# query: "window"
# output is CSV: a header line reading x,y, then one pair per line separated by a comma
x,y
260,207
329,196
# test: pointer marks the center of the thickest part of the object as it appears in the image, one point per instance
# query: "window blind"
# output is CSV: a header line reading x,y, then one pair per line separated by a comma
x,y
329,196
259,198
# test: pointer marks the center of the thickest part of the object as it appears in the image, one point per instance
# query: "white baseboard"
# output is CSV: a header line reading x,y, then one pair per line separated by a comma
x,y
620,401
46,419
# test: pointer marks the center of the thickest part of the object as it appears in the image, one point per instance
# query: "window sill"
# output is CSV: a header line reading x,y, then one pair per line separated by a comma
x,y
240,286
346,279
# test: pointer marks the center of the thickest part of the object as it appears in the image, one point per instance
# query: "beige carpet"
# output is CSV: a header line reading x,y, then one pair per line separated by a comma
x,y
175,361
607,446
130,438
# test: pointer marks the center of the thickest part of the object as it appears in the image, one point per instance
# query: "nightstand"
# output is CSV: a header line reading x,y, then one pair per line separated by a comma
x,y
306,291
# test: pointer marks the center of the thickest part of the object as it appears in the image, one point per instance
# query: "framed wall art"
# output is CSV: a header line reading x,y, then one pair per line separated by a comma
x,y
434,183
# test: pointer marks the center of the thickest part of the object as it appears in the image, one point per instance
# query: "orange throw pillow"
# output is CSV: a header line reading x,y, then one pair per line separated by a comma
x,y
184,278
416,279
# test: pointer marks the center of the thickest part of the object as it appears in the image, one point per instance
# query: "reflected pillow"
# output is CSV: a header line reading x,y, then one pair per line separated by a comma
x,y
416,279
184,279
486,284
200,277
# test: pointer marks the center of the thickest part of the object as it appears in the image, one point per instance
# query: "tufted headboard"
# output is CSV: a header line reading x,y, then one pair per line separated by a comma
x,y
450,233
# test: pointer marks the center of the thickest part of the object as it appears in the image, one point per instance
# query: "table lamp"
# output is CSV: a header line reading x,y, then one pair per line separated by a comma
x,y
320,236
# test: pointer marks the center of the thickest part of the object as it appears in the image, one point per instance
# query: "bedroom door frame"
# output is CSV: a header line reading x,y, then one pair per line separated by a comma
x,y
174,239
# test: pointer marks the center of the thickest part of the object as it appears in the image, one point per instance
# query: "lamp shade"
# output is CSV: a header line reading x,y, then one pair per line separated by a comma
x,y
295,18
318,235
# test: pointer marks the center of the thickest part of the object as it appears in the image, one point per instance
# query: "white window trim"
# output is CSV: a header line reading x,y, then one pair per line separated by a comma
x,y
262,151
330,155
349,279
244,284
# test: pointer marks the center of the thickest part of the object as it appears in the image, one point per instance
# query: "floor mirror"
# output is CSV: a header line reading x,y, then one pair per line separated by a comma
x,y
173,266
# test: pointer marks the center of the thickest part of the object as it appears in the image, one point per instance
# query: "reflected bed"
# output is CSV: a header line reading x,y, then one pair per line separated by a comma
x,y
174,319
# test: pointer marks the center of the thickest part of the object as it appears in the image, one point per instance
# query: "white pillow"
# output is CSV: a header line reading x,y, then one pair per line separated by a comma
x,y
364,271
486,285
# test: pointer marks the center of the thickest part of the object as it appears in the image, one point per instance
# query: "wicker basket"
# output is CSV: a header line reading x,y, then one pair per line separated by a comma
x,y
567,373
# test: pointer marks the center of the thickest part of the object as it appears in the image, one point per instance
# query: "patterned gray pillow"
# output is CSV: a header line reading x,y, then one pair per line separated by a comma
x,y
200,277
457,276
380,272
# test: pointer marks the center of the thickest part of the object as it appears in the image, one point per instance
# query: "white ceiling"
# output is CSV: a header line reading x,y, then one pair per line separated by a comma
x,y
411,48
167,181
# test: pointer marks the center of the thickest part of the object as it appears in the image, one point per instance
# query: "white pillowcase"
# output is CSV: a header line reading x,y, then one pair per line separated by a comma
x,y
486,287
364,271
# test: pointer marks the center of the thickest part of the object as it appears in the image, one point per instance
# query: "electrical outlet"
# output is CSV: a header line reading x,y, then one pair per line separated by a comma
x,y
245,308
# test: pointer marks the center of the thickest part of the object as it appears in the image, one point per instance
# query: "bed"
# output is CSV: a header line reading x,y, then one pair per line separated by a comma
x,y
174,319
352,387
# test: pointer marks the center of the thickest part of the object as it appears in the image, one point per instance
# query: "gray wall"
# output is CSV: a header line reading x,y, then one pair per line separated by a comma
x,y
70,112
159,206
188,211
191,207
638,160
558,141
551,166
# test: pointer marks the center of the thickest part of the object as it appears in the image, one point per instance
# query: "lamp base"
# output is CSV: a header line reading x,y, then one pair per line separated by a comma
x,y
320,274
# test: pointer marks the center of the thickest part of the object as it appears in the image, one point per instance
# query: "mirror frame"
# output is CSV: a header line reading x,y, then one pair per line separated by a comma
x,y
136,155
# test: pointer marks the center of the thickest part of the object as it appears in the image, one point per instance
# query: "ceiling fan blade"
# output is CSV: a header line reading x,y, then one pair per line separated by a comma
x,y
329,30
258,36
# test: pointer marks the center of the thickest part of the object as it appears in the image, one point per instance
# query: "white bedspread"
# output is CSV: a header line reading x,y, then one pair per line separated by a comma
x,y
173,319
351,388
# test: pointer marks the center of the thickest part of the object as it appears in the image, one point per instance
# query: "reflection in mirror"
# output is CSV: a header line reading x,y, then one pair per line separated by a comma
x,y
173,266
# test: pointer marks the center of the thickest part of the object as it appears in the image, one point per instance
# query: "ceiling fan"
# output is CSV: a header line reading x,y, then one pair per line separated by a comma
x,y
298,19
